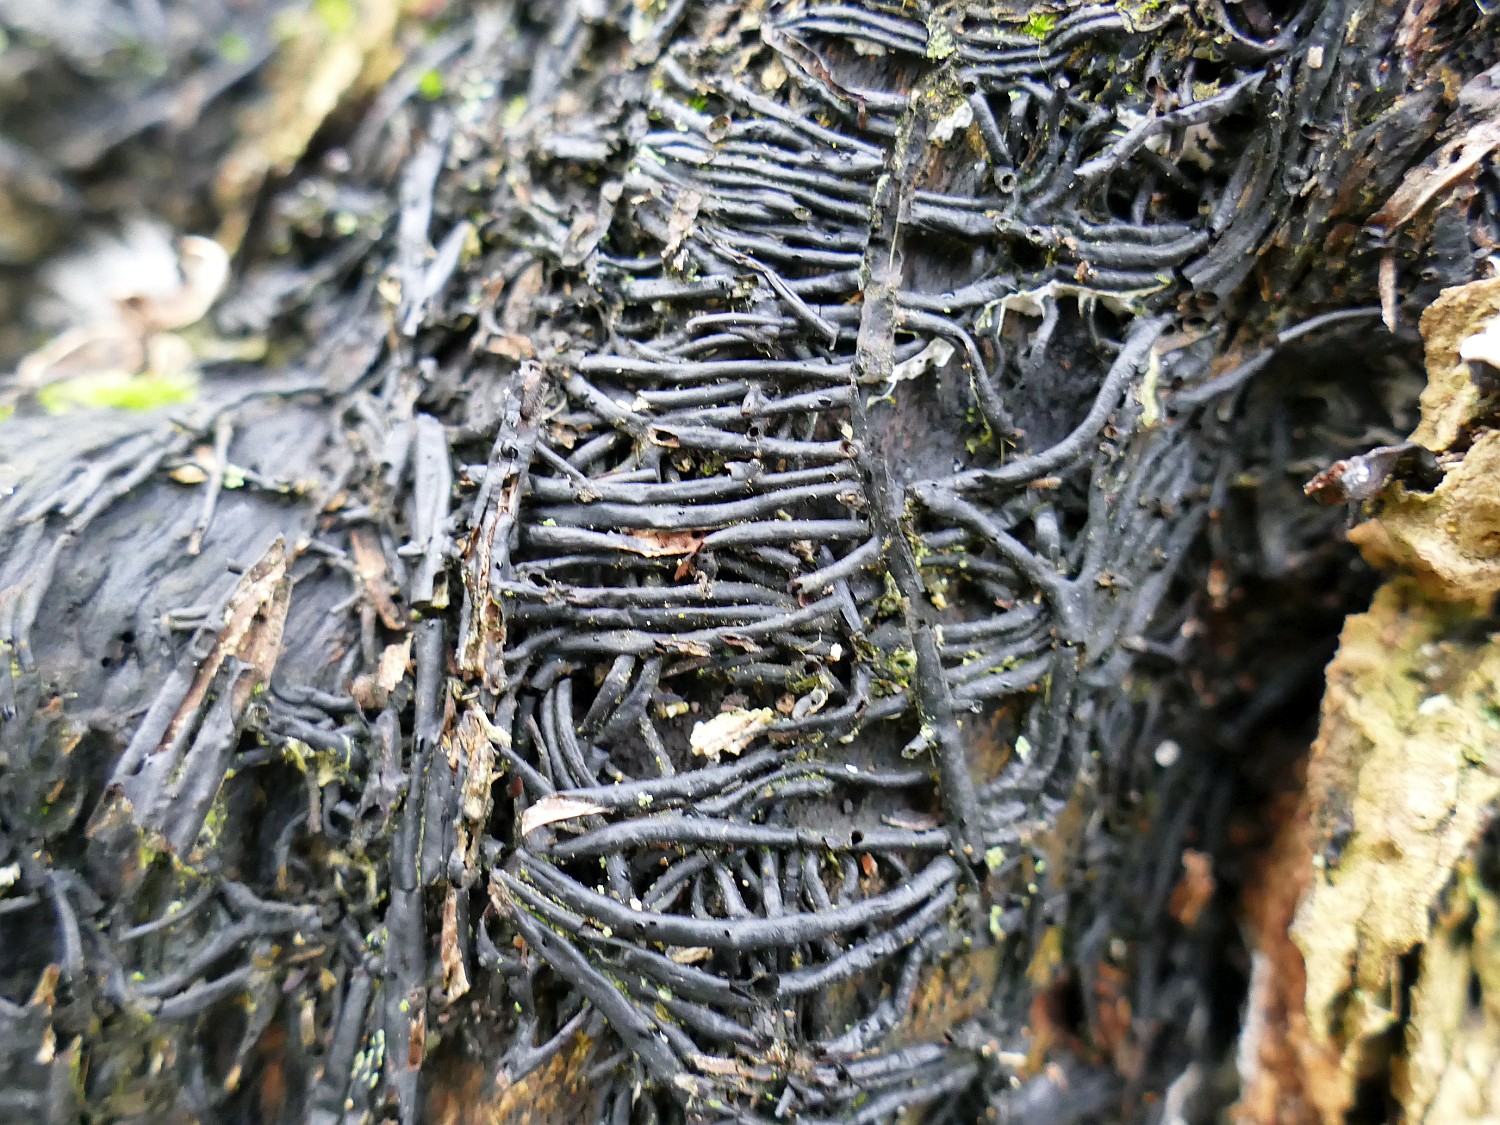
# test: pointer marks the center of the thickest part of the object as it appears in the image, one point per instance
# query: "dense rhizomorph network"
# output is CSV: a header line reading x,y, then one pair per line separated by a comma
x,y
717,635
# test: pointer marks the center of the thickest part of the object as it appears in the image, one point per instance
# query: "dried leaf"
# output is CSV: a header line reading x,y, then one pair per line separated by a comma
x,y
253,623
369,565
517,315
681,222
455,976
1454,162
474,743
662,544
731,1068
393,662
1114,1027
554,808
48,1049
1196,887
510,346
729,732
744,644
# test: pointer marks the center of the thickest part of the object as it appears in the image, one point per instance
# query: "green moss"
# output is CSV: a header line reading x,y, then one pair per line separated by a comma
x,y
805,684
894,671
891,602
1039,25
213,826
1137,13
337,15
937,590
997,923
902,663
984,438
119,390
939,39
233,47
430,86
515,109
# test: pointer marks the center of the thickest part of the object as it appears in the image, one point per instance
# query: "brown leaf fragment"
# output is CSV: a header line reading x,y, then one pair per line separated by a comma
x,y
253,621
731,1068
393,663
369,565
1388,296
511,346
556,807
1475,138
416,1045
683,646
165,783
455,976
44,994
47,1052
1196,887
680,224
729,732
517,315
661,544
471,752
1114,1026
486,548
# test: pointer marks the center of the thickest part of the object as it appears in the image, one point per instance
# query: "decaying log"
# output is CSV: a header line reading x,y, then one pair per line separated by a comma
x,y
762,574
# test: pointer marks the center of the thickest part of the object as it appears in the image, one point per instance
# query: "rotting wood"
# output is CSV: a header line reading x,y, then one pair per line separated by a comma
x,y
917,398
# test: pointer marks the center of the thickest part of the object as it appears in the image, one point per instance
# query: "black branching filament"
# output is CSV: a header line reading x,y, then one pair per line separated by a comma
x,y
751,578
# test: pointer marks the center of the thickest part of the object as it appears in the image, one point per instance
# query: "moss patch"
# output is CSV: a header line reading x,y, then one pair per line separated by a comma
x,y
119,390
